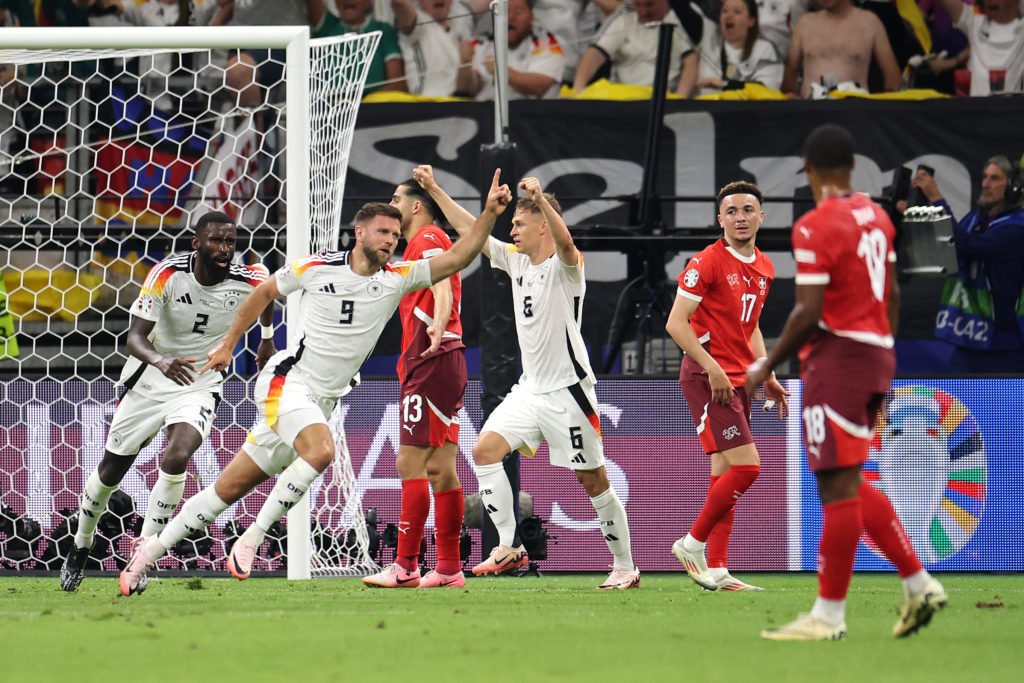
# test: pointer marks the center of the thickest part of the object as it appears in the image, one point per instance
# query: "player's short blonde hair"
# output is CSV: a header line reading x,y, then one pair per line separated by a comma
x,y
527,204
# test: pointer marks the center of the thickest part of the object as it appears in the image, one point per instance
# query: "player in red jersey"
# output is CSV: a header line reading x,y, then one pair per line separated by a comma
x,y
432,371
847,306
715,321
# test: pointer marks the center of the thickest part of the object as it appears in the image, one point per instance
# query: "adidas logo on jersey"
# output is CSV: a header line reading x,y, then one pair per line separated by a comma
x,y
184,299
491,508
578,459
329,287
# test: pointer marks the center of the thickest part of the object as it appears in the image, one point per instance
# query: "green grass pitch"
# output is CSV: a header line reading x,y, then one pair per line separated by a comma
x,y
550,628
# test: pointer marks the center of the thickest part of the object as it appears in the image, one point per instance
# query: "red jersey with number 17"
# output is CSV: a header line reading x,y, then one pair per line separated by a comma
x,y
417,308
846,244
731,289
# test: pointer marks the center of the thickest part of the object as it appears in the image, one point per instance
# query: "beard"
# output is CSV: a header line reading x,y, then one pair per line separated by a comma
x,y
374,257
211,265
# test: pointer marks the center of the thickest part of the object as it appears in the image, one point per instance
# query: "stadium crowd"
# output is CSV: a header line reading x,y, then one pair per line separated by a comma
x,y
441,48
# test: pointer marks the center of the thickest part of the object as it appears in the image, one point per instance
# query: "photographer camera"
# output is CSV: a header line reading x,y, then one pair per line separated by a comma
x,y
978,312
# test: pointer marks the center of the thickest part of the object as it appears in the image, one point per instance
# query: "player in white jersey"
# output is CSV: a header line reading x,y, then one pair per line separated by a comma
x,y
186,305
347,300
554,399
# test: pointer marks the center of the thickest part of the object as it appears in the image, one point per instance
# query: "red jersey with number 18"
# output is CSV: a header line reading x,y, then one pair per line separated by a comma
x,y
846,244
731,289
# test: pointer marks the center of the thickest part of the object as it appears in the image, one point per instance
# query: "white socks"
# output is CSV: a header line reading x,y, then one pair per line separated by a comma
x,y
496,494
196,514
832,612
290,487
614,527
915,583
693,545
92,505
163,501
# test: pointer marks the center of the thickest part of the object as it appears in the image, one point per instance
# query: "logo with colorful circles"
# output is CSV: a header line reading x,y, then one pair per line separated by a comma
x,y
928,457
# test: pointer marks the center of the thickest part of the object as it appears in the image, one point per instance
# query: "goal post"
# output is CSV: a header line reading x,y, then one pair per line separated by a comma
x,y
80,167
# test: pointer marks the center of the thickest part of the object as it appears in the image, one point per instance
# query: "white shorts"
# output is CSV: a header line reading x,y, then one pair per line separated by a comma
x,y
565,418
287,406
137,419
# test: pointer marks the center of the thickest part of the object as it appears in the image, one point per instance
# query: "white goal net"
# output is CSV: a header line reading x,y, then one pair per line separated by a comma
x,y
107,157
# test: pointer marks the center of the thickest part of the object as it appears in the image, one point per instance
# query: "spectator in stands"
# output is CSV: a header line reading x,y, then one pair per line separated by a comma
x,y
430,35
535,60
990,253
387,70
996,40
731,52
833,47
629,41
938,71
777,19
574,23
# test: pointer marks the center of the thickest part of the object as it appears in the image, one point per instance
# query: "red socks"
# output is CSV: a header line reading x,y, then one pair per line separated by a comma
x,y
415,508
884,528
722,498
449,509
718,539
839,535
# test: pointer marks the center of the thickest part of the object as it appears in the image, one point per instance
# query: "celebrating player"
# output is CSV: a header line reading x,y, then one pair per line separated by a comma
x,y
184,309
348,298
847,306
554,399
432,370
715,321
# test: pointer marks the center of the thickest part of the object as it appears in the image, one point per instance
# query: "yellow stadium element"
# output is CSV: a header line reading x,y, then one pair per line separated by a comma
x,y
8,342
750,91
918,94
603,89
911,14
45,295
396,96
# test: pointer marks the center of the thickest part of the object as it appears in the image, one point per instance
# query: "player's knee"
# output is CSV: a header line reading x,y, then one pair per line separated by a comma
x,y
485,454
175,460
595,482
320,455
113,467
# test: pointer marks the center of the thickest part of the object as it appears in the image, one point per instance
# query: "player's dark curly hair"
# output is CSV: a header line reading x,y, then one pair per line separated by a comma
x,y
413,189
829,147
211,218
371,210
740,187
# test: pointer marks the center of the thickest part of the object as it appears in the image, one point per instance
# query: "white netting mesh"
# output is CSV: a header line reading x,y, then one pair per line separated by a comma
x,y
106,158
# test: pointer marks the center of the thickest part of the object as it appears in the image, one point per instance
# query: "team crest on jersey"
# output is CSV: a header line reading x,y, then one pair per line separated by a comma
x,y
116,438
762,283
231,302
374,289
691,277
145,303
733,279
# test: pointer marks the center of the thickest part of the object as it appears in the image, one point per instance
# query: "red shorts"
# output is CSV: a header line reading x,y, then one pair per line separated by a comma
x,y
431,399
718,427
838,423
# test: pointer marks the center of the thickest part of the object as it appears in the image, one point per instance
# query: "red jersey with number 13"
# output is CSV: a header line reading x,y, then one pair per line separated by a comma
x,y
417,308
846,244
731,289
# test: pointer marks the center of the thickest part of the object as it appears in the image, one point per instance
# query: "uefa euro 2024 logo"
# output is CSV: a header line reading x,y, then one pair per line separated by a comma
x,y
928,457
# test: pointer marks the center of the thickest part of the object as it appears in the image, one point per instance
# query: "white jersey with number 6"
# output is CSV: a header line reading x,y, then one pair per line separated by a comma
x,y
548,303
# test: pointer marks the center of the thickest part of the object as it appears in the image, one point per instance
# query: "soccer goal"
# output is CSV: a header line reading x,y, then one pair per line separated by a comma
x,y
112,143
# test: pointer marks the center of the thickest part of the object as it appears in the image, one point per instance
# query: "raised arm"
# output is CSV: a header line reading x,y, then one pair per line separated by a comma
x,y
254,305
405,15
178,370
469,245
458,217
566,248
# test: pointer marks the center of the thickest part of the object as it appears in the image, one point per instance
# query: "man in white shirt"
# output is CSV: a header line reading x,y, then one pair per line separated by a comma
x,y
535,60
996,38
430,35
554,400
